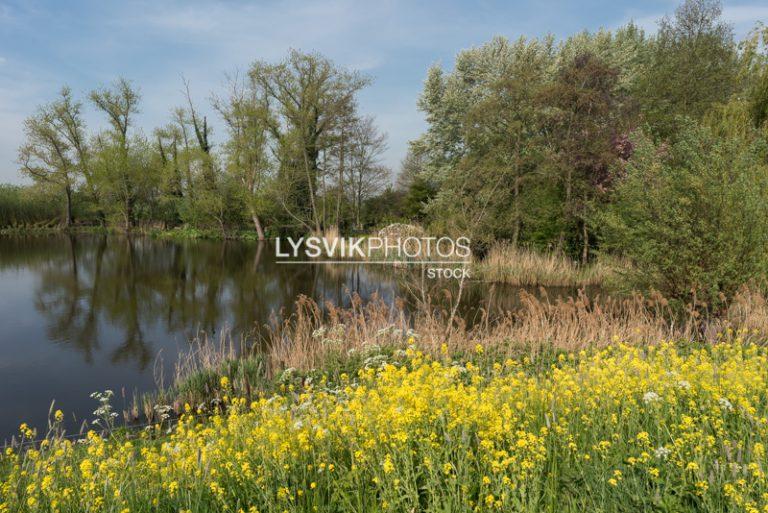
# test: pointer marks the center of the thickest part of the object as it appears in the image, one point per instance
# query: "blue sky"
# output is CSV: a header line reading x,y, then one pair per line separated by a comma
x,y
44,45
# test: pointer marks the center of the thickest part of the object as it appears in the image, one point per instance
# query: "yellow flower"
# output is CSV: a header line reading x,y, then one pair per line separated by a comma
x,y
388,466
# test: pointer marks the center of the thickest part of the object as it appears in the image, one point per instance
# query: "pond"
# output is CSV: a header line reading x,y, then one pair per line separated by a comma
x,y
80,314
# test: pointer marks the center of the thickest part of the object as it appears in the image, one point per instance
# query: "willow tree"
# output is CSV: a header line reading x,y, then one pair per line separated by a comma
x,y
120,104
246,147
47,156
693,65
302,99
482,141
68,118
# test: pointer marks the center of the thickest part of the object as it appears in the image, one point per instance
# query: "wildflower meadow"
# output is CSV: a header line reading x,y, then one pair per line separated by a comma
x,y
668,427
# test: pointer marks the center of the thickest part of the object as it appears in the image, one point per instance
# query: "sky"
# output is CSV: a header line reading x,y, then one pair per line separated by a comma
x,y
86,44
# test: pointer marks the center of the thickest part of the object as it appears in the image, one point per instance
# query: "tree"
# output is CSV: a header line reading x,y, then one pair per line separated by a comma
x,y
586,120
120,104
367,176
169,164
68,117
482,145
246,148
693,64
202,135
692,215
303,98
416,190
47,155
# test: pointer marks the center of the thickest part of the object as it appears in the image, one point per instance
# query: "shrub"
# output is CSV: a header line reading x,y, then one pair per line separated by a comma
x,y
692,215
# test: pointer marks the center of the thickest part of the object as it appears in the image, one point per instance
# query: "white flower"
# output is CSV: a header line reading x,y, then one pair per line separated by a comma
x,y
684,384
375,361
399,353
725,404
661,452
651,397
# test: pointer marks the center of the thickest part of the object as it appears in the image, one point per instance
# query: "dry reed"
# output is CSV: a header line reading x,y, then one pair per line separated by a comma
x,y
505,263
328,338
305,339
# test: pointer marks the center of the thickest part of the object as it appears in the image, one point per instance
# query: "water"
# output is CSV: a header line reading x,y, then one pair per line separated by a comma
x,y
89,313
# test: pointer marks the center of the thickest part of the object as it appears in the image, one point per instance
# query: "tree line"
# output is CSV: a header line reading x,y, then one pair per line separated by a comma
x,y
297,154
654,147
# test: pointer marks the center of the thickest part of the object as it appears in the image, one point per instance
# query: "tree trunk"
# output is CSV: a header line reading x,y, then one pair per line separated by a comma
x,y
566,208
341,180
584,233
129,220
516,230
69,217
257,225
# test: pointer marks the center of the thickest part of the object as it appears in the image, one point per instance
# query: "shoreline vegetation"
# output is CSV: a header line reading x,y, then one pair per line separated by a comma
x,y
326,339
503,263
367,408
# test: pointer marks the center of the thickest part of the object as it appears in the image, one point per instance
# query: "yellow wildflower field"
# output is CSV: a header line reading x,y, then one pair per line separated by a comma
x,y
666,427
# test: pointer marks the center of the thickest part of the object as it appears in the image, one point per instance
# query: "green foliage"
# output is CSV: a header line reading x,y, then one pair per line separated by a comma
x,y
25,206
693,64
692,215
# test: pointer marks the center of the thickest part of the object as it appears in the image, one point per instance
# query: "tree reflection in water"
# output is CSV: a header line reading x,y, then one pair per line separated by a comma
x,y
94,312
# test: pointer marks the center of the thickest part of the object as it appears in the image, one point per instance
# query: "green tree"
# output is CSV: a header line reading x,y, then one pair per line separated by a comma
x,y
246,149
693,64
692,215
586,115
304,97
120,104
47,157
481,148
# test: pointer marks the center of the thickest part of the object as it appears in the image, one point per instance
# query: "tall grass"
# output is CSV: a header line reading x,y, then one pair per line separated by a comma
x,y
331,339
505,263
313,333
27,207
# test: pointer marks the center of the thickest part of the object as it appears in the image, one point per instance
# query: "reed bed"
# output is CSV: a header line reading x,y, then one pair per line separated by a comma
x,y
505,263
314,333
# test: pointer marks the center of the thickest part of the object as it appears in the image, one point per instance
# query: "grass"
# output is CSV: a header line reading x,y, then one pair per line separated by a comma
x,y
669,427
523,267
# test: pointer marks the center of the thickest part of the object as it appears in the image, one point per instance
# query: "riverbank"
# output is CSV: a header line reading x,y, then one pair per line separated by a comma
x,y
181,233
318,340
635,427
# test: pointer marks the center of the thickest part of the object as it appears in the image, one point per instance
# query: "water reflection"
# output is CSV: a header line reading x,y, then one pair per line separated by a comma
x,y
85,313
